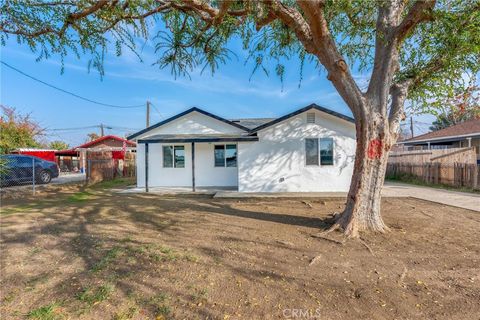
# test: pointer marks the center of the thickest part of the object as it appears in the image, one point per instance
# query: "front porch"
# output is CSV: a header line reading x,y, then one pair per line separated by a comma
x,y
189,163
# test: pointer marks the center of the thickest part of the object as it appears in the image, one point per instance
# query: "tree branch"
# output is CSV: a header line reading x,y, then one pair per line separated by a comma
x,y
420,11
330,57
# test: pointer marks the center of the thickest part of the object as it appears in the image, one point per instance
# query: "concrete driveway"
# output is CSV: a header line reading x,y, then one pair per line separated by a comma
x,y
69,178
464,200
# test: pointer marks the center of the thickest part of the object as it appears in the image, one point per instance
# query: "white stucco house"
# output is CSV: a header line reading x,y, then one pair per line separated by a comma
x,y
311,149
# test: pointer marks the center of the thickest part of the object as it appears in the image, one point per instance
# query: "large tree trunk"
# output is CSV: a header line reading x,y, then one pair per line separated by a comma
x,y
362,210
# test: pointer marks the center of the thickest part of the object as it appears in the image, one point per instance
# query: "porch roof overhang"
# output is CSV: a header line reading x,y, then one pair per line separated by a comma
x,y
183,138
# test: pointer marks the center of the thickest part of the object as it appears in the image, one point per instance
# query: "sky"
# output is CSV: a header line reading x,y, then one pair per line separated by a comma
x,y
232,92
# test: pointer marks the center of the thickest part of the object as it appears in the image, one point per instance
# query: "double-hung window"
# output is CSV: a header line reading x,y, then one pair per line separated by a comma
x,y
319,152
173,156
225,155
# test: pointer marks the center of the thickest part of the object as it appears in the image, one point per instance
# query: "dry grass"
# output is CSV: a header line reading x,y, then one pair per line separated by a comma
x,y
95,254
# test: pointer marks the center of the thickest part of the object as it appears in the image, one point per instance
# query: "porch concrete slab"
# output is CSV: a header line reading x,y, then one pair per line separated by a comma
x,y
236,194
177,190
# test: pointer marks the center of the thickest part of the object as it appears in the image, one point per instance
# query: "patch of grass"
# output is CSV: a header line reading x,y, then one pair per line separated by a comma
x,y
111,255
92,297
81,196
18,208
412,179
109,184
163,310
126,315
48,312
40,279
199,295
160,303
34,251
191,257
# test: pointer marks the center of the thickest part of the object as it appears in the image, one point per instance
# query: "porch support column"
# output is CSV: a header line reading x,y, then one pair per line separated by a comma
x,y
193,166
146,167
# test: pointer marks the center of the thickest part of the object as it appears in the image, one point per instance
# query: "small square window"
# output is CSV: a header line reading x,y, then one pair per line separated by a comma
x,y
225,155
173,156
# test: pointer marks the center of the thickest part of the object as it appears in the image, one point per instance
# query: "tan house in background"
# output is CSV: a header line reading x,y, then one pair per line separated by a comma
x,y
462,135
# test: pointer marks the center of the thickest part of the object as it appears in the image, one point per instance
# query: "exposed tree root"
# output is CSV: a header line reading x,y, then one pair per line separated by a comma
x,y
366,246
308,204
402,276
285,243
315,259
428,215
321,236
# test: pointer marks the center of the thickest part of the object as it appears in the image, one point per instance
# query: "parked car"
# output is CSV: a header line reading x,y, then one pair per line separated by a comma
x,y
18,169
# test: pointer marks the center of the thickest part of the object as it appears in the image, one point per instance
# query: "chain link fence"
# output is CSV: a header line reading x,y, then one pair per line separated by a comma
x,y
22,170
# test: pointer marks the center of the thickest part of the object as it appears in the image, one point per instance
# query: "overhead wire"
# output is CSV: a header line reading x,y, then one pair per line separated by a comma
x,y
69,92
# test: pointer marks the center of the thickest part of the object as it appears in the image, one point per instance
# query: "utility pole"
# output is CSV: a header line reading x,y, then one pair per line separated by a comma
x,y
101,130
148,113
411,126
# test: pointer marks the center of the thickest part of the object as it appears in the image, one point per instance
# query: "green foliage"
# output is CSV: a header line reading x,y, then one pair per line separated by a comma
x,y
17,131
463,105
48,312
438,52
96,295
58,145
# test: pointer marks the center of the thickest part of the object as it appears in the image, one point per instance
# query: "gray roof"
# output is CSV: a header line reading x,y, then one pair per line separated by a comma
x,y
252,123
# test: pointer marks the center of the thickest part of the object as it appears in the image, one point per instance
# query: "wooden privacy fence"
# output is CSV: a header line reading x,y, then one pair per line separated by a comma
x,y
457,174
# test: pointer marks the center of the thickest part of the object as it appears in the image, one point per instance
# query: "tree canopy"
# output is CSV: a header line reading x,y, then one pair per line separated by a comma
x,y
17,131
439,38
58,145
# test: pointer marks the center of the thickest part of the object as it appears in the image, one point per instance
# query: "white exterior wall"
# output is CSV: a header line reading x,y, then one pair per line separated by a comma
x,y
276,163
206,174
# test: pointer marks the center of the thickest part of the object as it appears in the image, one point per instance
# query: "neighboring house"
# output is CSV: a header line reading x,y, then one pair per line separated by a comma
x,y
311,149
461,135
78,155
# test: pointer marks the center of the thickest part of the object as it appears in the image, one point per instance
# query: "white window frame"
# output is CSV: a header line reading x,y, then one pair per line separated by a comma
x,y
333,151
225,154
174,166
319,158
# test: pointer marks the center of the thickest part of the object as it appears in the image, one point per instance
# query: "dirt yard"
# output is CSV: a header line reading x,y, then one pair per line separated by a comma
x,y
96,254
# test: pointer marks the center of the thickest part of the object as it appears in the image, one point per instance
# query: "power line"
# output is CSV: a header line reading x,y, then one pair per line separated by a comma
x,y
154,107
93,127
68,92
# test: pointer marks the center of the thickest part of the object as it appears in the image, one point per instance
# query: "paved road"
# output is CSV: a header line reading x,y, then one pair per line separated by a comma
x,y
464,200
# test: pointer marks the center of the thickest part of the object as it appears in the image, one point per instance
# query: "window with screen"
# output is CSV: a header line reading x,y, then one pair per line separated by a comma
x,y
225,155
311,152
173,156
326,151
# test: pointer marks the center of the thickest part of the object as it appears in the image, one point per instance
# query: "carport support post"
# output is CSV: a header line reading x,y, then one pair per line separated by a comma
x,y
193,166
146,167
